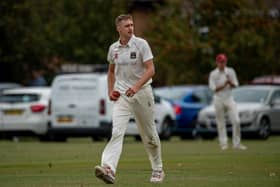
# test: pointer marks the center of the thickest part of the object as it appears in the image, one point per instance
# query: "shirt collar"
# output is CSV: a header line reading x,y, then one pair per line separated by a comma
x,y
129,43
222,71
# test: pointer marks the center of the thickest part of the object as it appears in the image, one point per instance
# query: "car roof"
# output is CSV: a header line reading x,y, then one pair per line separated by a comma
x,y
38,90
183,87
260,86
7,85
267,79
80,75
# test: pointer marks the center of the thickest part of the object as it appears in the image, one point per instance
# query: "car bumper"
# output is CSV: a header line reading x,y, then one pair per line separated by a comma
x,y
245,128
103,130
36,128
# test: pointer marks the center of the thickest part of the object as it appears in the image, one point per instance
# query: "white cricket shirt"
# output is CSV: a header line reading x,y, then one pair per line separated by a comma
x,y
129,62
218,78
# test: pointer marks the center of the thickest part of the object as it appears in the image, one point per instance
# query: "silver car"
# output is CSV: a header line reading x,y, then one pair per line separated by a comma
x,y
259,111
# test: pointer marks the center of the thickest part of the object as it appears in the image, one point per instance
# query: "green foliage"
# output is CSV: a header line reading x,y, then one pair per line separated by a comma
x,y
241,29
76,31
172,44
185,36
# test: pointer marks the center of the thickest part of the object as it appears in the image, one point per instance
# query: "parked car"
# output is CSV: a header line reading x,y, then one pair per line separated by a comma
x,y
23,111
258,107
164,120
8,85
187,101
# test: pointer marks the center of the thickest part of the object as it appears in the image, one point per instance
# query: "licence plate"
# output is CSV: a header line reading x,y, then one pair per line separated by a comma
x,y
13,112
64,119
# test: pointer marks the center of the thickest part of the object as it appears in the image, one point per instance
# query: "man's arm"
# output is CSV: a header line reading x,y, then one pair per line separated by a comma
x,y
111,82
216,88
232,79
229,82
221,87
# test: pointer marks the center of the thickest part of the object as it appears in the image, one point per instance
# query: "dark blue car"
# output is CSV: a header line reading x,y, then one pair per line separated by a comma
x,y
187,101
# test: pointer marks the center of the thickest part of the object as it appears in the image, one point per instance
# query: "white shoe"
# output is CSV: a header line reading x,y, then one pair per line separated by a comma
x,y
240,147
157,176
105,174
224,147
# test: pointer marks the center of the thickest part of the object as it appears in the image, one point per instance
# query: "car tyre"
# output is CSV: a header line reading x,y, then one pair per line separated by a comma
x,y
166,129
264,130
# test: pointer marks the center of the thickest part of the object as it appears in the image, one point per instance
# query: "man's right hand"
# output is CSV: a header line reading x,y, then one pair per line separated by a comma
x,y
114,95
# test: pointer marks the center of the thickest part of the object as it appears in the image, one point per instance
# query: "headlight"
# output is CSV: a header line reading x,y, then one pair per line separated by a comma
x,y
206,118
247,116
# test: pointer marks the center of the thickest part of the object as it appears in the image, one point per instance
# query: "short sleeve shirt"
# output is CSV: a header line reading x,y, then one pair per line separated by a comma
x,y
218,78
129,62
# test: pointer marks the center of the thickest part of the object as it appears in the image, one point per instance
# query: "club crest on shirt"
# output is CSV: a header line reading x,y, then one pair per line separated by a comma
x,y
133,55
116,56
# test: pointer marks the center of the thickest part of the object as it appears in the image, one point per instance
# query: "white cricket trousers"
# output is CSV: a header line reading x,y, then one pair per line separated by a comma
x,y
141,106
222,106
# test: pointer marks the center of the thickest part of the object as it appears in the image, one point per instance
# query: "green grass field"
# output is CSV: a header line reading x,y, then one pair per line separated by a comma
x,y
187,163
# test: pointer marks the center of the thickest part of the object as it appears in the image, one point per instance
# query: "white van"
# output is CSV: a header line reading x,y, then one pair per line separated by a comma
x,y
79,106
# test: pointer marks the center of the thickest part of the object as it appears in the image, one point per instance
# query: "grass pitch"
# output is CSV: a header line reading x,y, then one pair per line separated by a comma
x,y
187,163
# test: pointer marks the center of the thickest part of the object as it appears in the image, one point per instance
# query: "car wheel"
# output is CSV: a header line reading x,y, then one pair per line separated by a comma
x,y
166,130
264,130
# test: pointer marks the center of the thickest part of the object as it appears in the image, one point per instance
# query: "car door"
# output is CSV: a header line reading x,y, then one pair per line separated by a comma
x,y
75,103
275,111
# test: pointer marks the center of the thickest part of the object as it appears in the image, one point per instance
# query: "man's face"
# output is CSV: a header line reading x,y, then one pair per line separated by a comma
x,y
125,28
221,64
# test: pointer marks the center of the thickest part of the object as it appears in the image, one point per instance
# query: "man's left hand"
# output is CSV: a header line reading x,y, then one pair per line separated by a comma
x,y
130,92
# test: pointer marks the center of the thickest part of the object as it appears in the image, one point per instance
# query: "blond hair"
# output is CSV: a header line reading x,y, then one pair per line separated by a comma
x,y
122,17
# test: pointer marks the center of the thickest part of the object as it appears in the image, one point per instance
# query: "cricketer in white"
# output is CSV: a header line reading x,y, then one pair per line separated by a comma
x,y
221,81
130,73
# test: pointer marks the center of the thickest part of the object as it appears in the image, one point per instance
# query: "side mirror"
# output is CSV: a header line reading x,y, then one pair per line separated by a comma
x,y
157,99
276,102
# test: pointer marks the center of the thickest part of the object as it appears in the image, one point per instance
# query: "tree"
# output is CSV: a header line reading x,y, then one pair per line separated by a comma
x,y
35,31
191,33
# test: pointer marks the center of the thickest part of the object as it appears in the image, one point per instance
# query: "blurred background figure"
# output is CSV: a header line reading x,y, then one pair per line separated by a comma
x,y
37,78
221,81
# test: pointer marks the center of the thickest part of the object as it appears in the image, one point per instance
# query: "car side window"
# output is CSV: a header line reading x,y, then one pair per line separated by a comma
x,y
209,95
275,96
200,97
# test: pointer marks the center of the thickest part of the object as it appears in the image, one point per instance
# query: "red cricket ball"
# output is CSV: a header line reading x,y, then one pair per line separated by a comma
x,y
116,93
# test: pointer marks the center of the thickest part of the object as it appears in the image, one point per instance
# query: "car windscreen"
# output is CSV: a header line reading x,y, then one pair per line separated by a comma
x,y
251,95
172,93
19,98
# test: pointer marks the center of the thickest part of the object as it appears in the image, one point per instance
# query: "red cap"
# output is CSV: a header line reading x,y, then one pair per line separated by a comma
x,y
221,58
